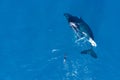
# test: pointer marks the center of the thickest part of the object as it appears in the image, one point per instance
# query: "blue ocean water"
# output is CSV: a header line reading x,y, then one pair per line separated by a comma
x,y
35,37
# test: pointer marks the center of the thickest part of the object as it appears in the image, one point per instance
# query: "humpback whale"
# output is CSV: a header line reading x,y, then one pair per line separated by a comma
x,y
82,31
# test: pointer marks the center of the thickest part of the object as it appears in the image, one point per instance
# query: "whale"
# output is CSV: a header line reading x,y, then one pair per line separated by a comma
x,y
82,31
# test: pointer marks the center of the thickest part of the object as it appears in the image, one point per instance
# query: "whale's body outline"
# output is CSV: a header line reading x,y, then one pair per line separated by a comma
x,y
81,29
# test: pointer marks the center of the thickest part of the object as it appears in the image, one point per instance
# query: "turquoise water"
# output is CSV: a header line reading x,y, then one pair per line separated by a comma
x,y
35,37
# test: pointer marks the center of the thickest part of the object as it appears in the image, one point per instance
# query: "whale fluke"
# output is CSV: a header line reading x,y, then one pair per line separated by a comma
x,y
89,51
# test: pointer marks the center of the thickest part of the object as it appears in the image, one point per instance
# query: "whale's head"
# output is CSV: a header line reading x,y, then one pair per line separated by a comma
x,y
71,18
67,15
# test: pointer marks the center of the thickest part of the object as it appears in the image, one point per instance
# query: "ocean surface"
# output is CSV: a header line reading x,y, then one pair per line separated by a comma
x,y
36,42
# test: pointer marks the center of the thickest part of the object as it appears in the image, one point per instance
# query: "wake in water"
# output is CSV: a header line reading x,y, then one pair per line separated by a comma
x,y
74,69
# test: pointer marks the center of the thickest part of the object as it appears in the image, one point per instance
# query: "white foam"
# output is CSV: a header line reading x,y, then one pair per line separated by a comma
x,y
52,59
84,34
54,50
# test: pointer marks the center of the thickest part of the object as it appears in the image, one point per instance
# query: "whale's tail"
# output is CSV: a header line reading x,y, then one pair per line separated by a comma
x,y
91,52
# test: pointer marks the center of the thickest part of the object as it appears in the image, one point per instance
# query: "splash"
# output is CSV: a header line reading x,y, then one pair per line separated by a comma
x,y
55,50
75,70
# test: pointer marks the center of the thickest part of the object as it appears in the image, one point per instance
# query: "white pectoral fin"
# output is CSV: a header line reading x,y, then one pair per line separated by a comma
x,y
92,42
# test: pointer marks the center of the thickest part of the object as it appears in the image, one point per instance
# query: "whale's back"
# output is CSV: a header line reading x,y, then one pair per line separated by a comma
x,y
85,28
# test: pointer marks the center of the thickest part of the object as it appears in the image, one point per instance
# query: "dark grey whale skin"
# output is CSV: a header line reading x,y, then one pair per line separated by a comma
x,y
82,26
